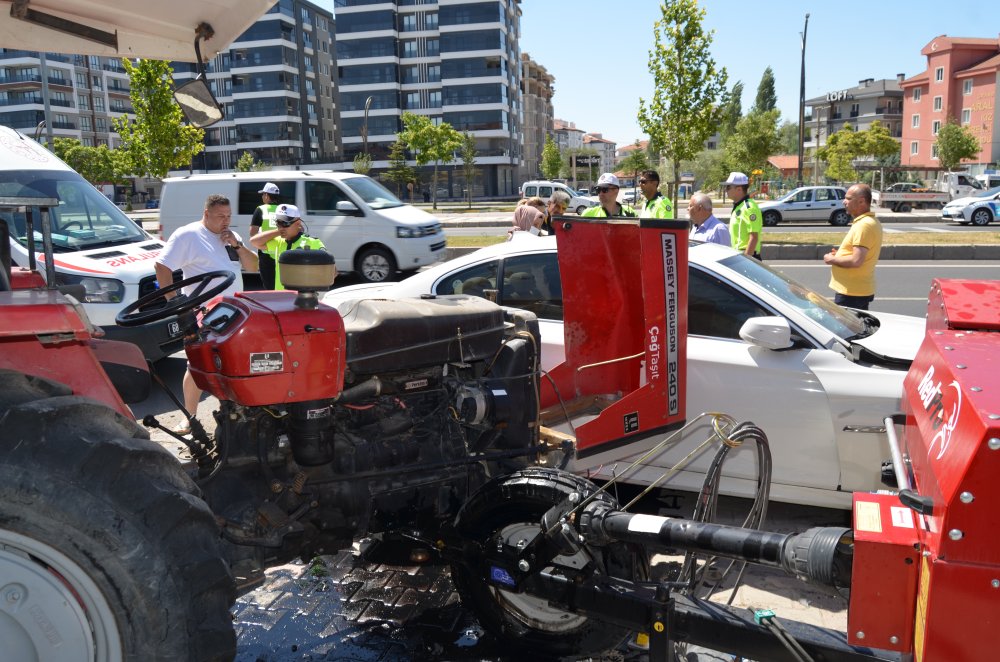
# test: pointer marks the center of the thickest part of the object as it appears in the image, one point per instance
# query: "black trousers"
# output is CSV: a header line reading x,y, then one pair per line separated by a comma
x,y
848,301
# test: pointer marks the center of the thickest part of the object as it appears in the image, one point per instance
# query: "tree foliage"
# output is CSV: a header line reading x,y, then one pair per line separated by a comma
x,y
788,136
753,141
551,159
98,165
636,161
847,145
766,97
158,140
430,143
954,143
399,172
247,163
732,112
469,168
689,92
362,163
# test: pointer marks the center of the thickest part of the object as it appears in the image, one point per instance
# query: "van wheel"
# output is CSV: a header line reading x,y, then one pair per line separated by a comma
x,y
580,210
376,265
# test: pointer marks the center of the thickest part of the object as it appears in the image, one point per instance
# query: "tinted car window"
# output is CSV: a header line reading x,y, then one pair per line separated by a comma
x,y
715,309
322,198
532,282
474,280
823,194
802,196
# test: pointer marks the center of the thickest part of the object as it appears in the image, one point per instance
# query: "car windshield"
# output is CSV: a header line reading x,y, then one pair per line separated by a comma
x,y
84,219
989,193
374,194
839,321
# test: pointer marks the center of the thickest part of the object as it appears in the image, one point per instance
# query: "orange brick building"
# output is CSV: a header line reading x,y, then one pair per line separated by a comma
x,y
960,83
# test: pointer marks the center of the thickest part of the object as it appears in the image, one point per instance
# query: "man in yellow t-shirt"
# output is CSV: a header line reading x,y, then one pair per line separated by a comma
x,y
852,265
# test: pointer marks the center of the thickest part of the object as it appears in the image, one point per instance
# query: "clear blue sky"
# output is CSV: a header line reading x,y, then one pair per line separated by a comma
x,y
598,51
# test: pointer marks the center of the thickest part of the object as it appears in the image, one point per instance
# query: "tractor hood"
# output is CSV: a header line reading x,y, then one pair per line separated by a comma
x,y
149,29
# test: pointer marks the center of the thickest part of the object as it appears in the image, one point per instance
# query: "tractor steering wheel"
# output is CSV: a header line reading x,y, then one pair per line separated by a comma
x,y
130,315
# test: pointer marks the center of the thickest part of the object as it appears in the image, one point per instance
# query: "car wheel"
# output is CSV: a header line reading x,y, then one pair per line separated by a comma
x,y
904,208
376,265
771,218
982,216
840,217
580,210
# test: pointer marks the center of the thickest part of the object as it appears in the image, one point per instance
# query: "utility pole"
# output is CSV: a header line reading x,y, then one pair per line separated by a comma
x,y
802,104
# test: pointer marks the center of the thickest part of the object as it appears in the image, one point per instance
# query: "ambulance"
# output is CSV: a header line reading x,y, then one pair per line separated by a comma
x,y
103,257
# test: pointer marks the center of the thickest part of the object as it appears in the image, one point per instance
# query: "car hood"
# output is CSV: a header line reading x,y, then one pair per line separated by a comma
x,y
362,291
963,202
408,215
898,337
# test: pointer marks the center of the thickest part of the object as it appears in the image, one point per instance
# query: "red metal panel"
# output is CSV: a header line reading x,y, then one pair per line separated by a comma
x,y
884,581
964,304
952,436
274,352
625,321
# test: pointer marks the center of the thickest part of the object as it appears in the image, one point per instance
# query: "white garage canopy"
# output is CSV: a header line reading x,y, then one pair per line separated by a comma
x,y
151,29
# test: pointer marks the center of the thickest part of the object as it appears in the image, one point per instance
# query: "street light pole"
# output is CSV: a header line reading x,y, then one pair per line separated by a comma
x,y
802,103
364,126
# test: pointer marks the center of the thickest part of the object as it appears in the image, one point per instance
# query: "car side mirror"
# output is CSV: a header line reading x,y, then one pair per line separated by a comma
x,y
198,103
767,332
348,207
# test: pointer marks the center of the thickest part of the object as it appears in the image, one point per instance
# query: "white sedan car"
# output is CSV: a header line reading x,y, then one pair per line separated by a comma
x,y
979,209
821,402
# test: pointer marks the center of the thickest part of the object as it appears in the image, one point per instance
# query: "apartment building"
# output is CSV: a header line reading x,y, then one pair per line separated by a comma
x,y
606,150
276,85
536,91
457,61
567,136
859,107
959,84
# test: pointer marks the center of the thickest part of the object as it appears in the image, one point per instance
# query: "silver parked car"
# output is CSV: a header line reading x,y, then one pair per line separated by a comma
x,y
808,203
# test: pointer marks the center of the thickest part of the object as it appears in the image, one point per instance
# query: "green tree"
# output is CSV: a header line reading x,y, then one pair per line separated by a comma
x,y
635,161
362,163
788,136
766,98
98,165
469,164
430,143
753,141
690,92
732,111
955,143
158,140
551,159
399,172
247,163
848,145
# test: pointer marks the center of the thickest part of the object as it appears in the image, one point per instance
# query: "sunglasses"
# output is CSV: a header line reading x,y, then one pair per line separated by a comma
x,y
284,223
643,181
605,189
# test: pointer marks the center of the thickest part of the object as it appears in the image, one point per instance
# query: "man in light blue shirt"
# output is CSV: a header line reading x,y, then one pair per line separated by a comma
x,y
706,226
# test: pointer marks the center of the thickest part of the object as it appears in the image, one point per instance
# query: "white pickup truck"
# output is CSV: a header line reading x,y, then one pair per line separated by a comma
x,y
906,196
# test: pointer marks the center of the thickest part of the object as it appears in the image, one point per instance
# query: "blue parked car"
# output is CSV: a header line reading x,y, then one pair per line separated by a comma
x,y
152,204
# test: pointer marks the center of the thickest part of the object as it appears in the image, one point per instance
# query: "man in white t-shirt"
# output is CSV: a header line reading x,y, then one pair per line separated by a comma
x,y
198,248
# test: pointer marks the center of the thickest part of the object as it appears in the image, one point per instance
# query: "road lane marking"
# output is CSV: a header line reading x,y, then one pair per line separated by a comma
x,y
927,229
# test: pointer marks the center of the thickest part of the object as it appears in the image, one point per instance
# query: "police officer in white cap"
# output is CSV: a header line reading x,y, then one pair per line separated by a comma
x,y
607,193
263,219
746,222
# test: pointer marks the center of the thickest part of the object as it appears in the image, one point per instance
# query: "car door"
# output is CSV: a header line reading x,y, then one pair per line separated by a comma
x,y
825,202
341,232
776,390
799,207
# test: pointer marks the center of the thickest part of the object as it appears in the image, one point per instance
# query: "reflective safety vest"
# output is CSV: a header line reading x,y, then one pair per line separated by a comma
x,y
746,218
277,246
267,214
598,212
659,207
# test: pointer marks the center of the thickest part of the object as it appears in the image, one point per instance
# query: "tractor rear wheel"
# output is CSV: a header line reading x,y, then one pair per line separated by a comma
x,y
512,507
106,550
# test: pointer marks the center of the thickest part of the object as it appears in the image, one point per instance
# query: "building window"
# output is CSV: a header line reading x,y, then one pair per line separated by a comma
x,y
935,127
412,100
916,122
81,79
434,99
434,73
914,148
85,124
408,23
966,116
431,21
916,94
938,102
409,48
967,87
939,74
99,104
83,102
102,124
934,152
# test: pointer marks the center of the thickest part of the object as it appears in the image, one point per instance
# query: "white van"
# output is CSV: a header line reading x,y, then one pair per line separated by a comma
x,y
96,245
544,190
366,228
989,180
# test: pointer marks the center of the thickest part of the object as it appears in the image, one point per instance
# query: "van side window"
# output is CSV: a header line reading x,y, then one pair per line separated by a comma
x,y
249,198
322,199
544,192
530,191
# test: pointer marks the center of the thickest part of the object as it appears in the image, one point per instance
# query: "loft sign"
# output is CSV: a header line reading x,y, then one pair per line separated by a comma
x,y
840,95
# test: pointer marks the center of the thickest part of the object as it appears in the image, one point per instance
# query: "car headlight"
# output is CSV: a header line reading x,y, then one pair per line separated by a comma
x,y
96,290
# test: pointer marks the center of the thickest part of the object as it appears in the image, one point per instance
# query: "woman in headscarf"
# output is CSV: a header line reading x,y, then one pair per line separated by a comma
x,y
526,219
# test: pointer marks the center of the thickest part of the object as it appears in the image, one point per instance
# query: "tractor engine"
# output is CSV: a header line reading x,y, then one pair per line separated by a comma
x,y
381,417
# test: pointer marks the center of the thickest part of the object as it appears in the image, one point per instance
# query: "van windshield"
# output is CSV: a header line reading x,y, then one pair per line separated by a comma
x,y
374,194
84,219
